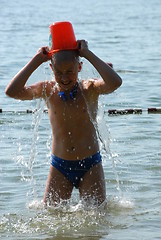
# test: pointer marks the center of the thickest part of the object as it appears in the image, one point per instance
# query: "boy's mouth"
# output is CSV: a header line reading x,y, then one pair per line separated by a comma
x,y
65,83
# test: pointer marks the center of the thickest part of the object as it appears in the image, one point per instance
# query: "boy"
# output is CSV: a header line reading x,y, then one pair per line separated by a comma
x,y
72,109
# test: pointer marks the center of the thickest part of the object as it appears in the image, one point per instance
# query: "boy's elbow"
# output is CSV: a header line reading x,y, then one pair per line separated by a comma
x,y
9,92
119,81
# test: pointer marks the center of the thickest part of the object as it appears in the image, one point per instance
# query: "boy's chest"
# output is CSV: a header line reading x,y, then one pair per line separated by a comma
x,y
75,111
72,109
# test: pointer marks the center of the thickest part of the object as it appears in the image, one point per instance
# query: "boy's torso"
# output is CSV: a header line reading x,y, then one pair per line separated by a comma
x,y
72,122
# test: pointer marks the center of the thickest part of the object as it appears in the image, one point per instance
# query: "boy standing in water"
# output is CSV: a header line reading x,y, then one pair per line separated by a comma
x,y
72,109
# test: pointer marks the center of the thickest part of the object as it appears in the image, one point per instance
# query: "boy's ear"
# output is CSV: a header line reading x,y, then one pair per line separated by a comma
x,y
80,66
51,67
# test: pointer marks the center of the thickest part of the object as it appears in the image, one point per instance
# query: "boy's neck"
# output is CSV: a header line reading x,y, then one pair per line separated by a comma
x,y
67,90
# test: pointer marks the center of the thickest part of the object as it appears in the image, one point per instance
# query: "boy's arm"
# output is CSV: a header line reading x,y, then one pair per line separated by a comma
x,y
110,79
17,89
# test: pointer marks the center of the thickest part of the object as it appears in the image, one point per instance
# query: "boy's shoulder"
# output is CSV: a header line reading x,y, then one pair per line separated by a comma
x,y
89,88
48,84
88,83
91,84
48,87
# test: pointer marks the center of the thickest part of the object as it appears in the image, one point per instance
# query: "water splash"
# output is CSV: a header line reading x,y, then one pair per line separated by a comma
x,y
118,204
72,219
27,162
35,122
105,139
103,134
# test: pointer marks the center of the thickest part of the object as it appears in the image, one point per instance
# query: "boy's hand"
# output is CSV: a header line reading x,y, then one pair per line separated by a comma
x,y
43,54
82,46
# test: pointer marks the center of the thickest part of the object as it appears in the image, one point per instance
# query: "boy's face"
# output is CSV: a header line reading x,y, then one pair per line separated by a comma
x,y
66,67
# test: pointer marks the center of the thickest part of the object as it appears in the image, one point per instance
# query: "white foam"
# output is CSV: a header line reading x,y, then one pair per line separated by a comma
x,y
36,204
120,203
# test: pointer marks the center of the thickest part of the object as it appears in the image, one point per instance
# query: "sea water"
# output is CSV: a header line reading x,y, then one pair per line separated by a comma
x,y
127,33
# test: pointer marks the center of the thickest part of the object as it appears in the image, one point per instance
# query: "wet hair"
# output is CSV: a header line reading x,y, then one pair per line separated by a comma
x,y
65,55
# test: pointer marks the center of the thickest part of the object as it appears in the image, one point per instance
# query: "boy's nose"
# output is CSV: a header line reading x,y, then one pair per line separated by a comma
x,y
65,79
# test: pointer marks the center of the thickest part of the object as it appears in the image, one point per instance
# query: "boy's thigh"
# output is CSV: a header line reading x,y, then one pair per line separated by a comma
x,y
92,186
58,186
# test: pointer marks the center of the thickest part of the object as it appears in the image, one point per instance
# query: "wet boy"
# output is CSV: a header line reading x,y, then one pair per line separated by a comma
x,y
72,109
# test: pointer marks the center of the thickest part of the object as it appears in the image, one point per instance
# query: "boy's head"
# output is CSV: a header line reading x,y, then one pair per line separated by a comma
x,y
66,65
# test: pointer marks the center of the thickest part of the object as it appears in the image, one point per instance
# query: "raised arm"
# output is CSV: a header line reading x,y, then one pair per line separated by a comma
x,y
17,89
110,79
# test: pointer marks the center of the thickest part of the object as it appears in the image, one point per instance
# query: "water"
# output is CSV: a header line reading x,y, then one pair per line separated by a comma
x,y
127,33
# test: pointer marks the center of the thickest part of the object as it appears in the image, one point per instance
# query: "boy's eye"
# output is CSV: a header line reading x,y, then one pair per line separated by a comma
x,y
64,73
69,72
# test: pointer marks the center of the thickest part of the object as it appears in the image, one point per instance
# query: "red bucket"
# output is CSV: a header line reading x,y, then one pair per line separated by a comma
x,y
61,37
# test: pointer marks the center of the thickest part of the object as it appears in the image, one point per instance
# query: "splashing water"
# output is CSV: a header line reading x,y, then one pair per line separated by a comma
x,y
103,132
36,121
27,162
105,139
27,174
72,220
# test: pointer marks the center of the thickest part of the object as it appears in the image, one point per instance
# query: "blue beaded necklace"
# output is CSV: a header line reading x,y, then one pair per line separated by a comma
x,y
72,94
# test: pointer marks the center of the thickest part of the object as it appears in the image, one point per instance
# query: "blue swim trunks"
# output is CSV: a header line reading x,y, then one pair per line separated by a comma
x,y
75,170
